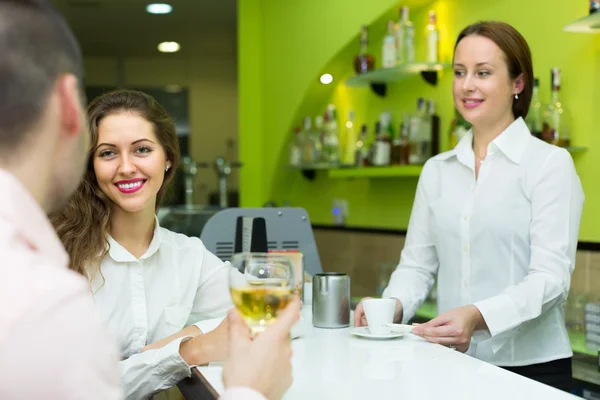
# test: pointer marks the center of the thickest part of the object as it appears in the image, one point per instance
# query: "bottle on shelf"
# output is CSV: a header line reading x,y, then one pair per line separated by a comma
x,y
405,38
458,129
399,154
555,125
432,39
296,149
594,6
534,115
361,150
435,127
381,146
388,49
331,143
348,142
419,134
364,62
311,144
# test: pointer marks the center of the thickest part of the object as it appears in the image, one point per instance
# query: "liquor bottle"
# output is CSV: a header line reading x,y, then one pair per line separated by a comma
x,y
400,144
381,145
419,134
311,143
331,142
361,151
388,49
348,142
458,129
364,62
435,127
555,126
405,35
432,39
296,149
534,115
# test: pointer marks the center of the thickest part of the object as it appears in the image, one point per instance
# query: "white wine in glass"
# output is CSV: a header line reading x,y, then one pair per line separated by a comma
x,y
261,286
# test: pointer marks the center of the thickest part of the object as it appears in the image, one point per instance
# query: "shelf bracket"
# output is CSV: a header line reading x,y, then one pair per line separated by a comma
x,y
309,174
430,77
380,89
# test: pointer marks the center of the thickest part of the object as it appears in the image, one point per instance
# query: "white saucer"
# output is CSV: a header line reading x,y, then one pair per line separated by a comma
x,y
364,332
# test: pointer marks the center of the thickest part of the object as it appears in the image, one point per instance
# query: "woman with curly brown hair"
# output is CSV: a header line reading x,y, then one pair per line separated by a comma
x,y
152,286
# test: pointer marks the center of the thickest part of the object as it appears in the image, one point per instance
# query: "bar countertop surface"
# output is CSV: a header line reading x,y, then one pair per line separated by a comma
x,y
335,364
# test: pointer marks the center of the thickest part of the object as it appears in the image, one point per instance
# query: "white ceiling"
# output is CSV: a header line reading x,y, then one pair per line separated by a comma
x,y
123,28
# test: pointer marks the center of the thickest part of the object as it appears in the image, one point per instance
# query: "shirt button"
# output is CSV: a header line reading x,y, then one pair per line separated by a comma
x,y
466,217
465,248
466,284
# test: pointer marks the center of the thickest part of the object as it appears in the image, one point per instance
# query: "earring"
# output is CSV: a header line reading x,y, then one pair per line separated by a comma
x,y
516,96
167,169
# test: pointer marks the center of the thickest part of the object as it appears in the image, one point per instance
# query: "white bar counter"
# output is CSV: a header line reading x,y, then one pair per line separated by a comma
x,y
334,364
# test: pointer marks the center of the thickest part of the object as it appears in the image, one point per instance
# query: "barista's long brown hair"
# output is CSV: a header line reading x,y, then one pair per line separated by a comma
x,y
83,224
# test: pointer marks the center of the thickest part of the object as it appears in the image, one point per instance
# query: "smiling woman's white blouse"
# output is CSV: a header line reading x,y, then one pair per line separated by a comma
x,y
176,283
504,242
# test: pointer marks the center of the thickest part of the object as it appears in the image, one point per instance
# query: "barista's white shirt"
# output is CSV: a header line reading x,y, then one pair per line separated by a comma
x,y
176,283
505,242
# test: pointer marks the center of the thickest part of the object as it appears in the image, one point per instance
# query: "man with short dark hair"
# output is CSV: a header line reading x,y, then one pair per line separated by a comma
x,y
52,343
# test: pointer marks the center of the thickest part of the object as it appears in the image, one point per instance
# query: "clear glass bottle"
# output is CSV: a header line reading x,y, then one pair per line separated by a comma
x,y
311,144
405,38
534,115
555,126
388,48
331,142
382,146
419,130
348,142
296,149
458,129
432,38
361,150
364,62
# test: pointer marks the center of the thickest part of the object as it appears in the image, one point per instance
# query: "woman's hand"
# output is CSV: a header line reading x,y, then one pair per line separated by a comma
x,y
209,347
359,313
453,328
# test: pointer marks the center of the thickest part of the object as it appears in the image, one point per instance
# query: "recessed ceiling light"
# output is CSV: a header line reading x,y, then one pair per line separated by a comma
x,y
159,8
326,79
168,47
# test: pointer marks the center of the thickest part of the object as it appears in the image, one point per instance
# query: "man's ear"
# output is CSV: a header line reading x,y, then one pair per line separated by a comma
x,y
71,109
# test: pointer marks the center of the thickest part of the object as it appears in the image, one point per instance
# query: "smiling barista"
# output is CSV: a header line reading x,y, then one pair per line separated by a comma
x,y
497,219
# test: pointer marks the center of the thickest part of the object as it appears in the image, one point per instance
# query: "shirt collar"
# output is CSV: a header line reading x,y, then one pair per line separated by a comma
x,y
19,208
512,142
119,254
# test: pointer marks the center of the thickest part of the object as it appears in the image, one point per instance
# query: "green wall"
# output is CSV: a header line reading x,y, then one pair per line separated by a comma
x,y
284,46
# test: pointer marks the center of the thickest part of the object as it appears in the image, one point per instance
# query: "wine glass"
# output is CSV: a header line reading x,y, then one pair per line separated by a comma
x,y
261,285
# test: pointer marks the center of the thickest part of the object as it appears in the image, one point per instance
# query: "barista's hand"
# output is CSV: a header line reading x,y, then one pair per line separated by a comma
x,y
453,328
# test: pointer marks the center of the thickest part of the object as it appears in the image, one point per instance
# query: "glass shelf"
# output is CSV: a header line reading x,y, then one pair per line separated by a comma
x,y
576,149
588,24
376,172
388,75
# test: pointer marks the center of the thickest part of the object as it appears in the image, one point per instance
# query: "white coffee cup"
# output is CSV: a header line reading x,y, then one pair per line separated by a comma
x,y
379,312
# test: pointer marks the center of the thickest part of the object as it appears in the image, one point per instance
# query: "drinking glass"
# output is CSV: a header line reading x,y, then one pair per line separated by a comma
x,y
261,285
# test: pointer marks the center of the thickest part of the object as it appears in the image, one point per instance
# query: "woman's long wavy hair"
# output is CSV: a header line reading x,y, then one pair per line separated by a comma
x,y
84,223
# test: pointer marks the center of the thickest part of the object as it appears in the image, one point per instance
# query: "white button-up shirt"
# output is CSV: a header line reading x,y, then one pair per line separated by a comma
x,y
176,283
504,242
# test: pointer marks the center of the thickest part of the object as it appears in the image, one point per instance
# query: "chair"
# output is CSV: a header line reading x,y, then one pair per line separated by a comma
x,y
287,229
